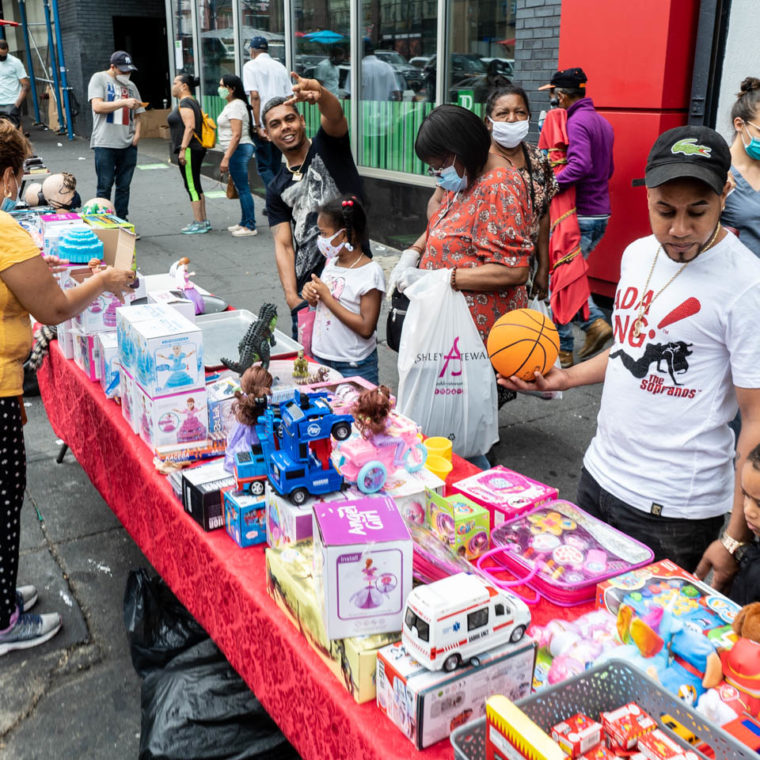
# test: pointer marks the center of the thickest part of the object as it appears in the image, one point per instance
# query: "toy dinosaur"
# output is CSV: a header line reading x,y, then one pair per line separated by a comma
x,y
254,345
320,376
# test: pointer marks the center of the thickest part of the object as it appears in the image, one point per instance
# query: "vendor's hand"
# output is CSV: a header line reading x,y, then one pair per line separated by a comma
x,y
117,281
318,288
304,90
541,284
224,166
409,277
408,260
554,380
723,565
131,103
55,264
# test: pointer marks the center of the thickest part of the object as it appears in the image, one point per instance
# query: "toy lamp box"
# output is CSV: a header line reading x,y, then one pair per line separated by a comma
x,y
290,583
244,518
362,565
504,493
202,488
427,705
162,349
220,395
664,584
55,225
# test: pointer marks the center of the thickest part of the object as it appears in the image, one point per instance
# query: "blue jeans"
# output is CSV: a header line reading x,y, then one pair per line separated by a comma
x,y
239,161
116,165
366,368
592,231
681,540
268,159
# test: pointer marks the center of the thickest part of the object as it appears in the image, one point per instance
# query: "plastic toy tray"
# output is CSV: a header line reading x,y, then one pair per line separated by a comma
x,y
606,687
222,333
565,551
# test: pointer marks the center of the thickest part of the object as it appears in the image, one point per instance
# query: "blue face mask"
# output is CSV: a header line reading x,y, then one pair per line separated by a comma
x,y
448,179
9,203
753,147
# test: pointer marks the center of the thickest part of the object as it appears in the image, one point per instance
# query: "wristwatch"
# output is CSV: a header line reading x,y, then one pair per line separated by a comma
x,y
731,545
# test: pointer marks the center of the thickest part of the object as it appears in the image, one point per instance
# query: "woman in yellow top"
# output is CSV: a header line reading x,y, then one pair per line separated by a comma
x,y
26,287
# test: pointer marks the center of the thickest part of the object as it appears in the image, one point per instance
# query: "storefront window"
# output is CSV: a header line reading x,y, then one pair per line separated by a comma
x,y
397,81
184,48
263,18
323,50
217,36
481,50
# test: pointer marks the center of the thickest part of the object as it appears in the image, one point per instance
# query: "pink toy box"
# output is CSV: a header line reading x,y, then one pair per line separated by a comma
x,y
343,393
504,493
362,565
459,522
179,418
427,705
562,552
287,523
86,355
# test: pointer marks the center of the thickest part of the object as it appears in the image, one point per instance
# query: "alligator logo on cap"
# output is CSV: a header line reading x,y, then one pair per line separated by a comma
x,y
689,147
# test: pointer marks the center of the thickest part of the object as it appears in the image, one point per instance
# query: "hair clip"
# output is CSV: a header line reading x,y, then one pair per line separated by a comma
x,y
347,203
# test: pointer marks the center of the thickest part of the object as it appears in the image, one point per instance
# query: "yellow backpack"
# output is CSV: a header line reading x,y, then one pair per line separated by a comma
x,y
208,131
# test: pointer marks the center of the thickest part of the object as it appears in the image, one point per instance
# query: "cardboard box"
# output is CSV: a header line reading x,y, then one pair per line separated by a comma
x,y
183,305
129,399
162,349
362,565
202,488
107,222
167,420
577,734
108,362
408,490
427,705
352,661
664,584
657,745
244,518
623,727
55,225
152,120
66,339
86,355
504,493
220,396
460,523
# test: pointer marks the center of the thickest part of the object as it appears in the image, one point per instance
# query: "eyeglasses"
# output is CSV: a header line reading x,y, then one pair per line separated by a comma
x,y
437,172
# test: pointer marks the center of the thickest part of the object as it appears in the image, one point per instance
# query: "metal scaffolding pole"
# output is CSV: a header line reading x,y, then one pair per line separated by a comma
x,y
29,61
51,48
62,69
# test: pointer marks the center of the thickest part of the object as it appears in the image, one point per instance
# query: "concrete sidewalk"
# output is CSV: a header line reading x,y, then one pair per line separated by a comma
x,y
78,696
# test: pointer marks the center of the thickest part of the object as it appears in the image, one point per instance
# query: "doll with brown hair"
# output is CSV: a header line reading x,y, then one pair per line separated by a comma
x,y
371,411
251,401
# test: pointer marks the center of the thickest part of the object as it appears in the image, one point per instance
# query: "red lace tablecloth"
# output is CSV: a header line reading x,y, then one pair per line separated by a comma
x,y
223,586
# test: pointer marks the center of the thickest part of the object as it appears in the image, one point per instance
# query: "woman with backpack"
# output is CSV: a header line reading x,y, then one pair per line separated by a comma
x,y
186,127
235,135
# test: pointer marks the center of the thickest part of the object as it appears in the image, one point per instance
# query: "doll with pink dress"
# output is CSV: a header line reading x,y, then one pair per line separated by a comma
x,y
192,429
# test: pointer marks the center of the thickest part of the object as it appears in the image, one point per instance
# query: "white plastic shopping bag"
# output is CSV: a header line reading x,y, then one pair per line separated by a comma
x,y
538,305
446,382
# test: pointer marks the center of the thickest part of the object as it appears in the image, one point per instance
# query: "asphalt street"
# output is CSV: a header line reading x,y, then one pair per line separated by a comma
x,y
78,696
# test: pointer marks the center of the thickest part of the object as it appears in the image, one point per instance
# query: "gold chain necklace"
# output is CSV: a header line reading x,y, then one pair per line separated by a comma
x,y
297,173
644,308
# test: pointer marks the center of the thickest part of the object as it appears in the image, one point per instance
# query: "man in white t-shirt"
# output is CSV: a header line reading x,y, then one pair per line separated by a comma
x,y
14,84
264,79
686,349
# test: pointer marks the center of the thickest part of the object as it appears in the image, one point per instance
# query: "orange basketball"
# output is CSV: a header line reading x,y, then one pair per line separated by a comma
x,y
521,342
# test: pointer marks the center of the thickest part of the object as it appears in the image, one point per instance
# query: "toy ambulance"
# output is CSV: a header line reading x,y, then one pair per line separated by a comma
x,y
453,620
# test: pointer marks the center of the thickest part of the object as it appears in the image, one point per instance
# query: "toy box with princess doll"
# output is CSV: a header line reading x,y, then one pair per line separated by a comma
x,y
244,518
504,493
221,398
107,350
86,355
427,705
343,393
129,399
561,552
362,565
459,522
161,349
291,585
166,420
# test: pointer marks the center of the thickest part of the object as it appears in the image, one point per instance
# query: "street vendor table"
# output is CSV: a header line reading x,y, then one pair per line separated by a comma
x,y
223,586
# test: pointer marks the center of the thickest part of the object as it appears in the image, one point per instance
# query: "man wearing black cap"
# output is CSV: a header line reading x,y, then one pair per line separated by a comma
x,y
264,79
686,347
589,168
116,107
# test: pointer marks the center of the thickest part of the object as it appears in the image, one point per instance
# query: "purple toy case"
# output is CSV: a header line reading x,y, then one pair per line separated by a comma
x,y
575,551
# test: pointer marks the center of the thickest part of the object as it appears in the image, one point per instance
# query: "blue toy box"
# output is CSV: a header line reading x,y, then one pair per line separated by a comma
x,y
108,360
244,518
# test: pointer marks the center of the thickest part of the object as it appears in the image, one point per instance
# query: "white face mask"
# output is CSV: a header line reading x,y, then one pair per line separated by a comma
x,y
509,134
122,79
328,250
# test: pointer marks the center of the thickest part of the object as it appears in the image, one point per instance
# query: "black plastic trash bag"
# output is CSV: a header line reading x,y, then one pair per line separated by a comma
x,y
158,626
194,705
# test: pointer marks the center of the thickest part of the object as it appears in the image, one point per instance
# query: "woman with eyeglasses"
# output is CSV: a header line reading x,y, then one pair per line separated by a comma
x,y
482,229
742,210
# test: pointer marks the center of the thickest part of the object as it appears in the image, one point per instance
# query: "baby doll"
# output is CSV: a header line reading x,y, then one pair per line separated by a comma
x,y
256,385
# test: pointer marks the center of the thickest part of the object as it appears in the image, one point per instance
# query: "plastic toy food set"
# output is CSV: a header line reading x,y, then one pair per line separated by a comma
x,y
504,493
562,552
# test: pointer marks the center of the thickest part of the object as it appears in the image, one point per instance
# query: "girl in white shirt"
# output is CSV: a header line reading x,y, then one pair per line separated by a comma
x,y
348,294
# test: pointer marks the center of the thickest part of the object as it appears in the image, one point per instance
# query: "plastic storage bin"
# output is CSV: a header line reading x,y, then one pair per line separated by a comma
x,y
606,687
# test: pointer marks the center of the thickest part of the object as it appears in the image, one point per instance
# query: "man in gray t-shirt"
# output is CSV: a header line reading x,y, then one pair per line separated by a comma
x,y
116,109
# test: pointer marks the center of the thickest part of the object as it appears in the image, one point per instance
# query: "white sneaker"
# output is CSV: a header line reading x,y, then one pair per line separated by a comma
x,y
233,228
244,232
26,597
29,630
